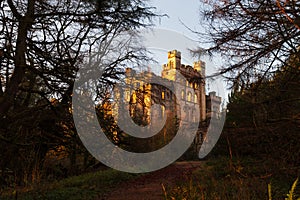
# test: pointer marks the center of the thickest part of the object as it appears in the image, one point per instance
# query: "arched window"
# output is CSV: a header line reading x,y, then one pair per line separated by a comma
x,y
189,97
182,94
171,63
162,95
192,116
127,96
133,98
195,98
162,111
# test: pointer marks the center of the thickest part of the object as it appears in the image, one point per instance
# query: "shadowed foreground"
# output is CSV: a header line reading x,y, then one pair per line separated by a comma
x,y
149,186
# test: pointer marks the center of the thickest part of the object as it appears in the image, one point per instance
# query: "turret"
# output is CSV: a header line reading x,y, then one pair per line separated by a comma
x,y
174,59
200,67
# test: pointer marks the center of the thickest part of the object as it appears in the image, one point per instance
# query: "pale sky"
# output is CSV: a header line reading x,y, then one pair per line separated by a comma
x,y
172,34
186,11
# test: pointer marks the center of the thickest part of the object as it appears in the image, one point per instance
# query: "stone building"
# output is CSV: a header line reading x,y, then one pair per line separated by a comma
x,y
181,96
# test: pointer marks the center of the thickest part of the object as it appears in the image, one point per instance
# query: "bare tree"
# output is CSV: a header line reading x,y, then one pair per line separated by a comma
x,y
255,37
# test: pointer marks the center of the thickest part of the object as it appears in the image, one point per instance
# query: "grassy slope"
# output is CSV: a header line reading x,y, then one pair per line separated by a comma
x,y
86,186
219,178
230,179
228,176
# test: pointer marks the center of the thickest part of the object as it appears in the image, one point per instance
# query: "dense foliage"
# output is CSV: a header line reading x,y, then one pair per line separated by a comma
x,y
264,120
42,46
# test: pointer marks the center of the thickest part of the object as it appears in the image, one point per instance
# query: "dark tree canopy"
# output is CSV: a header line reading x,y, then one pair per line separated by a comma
x,y
43,43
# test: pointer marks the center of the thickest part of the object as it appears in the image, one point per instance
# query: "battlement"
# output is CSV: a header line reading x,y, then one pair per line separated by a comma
x,y
200,67
189,72
174,62
174,53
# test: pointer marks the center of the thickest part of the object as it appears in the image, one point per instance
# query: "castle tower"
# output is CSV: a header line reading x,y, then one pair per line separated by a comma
x,y
174,62
174,59
194,89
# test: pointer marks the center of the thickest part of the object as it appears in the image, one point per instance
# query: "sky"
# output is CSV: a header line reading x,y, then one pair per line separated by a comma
x,y
186,11
170,33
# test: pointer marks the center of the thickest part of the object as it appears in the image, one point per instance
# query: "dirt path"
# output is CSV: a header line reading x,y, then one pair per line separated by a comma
x,y
149,186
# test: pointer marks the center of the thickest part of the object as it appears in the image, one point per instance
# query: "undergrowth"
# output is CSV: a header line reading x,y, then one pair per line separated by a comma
x,y
229,179
87,186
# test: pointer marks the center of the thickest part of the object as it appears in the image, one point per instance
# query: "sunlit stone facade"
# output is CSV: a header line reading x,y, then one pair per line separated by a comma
x,y
140,93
